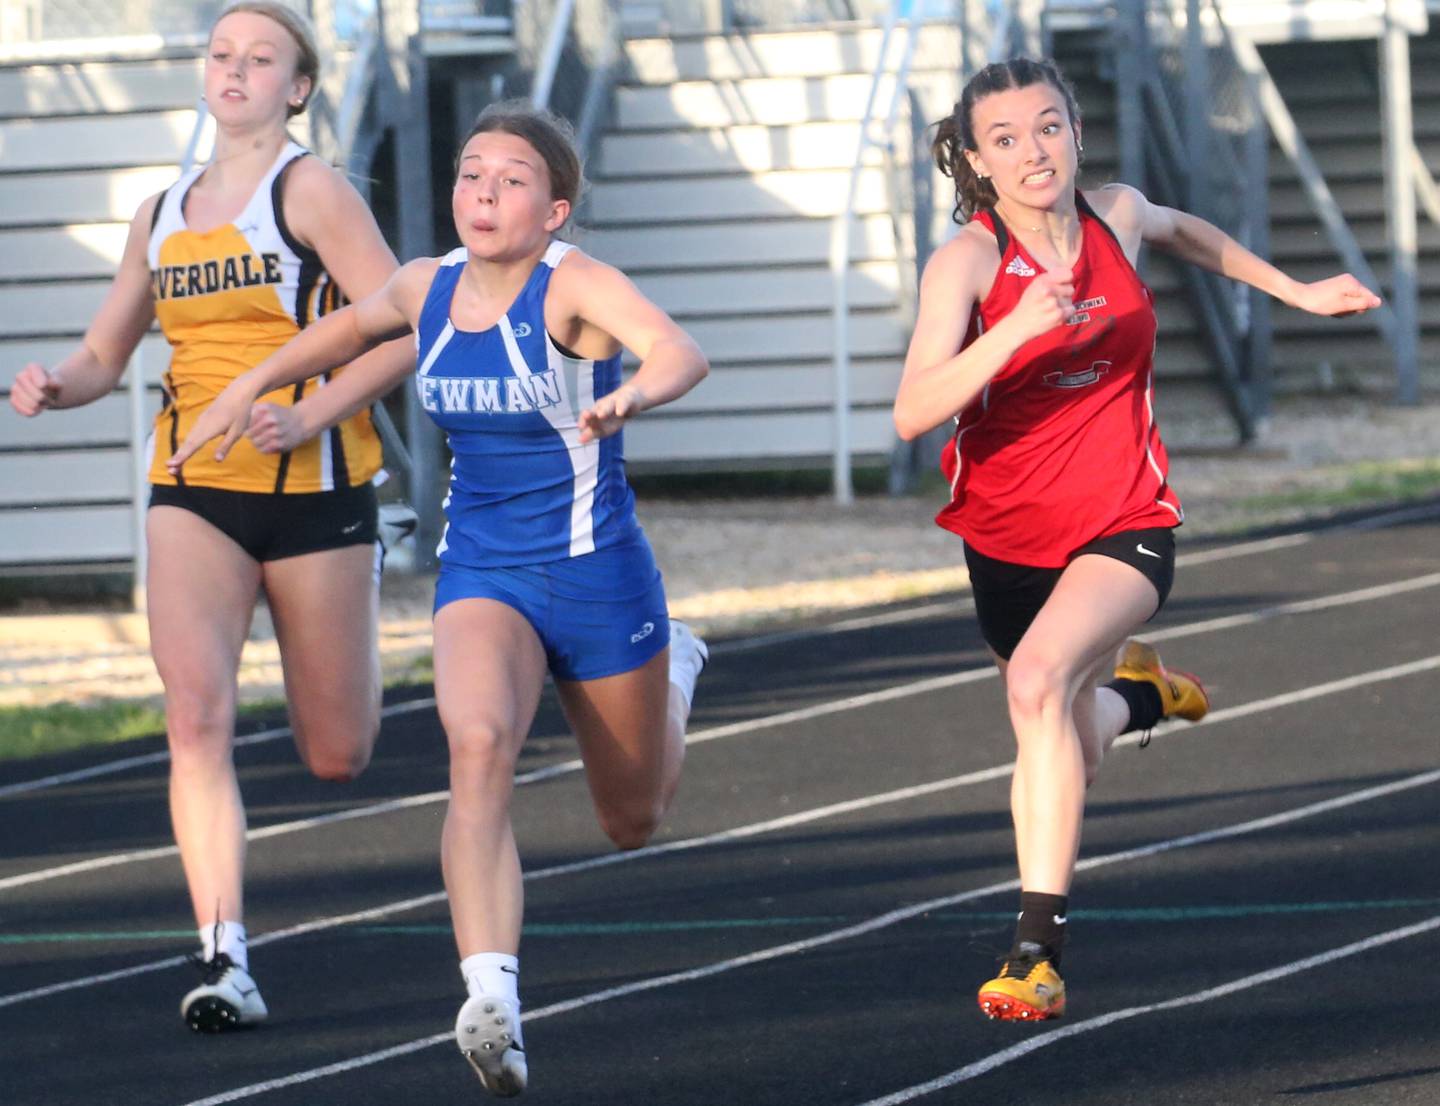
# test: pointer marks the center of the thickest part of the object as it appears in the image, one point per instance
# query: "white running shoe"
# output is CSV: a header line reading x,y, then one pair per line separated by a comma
x,y
688,656
397,521
395,529
228,999
488,1032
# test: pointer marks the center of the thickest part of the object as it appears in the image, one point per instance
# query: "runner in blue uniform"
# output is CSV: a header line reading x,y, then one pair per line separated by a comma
x,y
543,566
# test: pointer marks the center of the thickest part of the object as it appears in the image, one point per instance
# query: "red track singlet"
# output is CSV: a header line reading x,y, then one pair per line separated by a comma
x,y
1061,446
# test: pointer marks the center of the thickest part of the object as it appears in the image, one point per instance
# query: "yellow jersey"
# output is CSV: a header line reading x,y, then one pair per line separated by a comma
x,y
226,299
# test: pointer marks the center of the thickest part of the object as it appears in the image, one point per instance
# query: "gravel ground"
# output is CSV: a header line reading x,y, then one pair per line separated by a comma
x,y
734,565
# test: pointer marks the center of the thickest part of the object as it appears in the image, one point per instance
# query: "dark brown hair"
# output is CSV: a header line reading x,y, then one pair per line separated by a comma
x,y
298,27
955,134
552,137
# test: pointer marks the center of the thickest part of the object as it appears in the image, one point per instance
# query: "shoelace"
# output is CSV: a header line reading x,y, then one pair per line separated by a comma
x,y
1020,967
212,971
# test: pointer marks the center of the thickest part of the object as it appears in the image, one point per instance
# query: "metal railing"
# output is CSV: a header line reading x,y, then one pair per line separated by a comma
x,y
878,132
1202,157
574,48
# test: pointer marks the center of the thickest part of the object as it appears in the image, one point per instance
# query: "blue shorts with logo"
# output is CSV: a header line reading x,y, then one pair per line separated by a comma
x,y
597,615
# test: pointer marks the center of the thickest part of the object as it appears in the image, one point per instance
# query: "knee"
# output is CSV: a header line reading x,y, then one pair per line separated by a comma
x,y
630,825
1035,687
482,759
338,761
199,730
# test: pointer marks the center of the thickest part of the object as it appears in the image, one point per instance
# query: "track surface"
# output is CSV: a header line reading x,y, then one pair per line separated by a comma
x,y
832,884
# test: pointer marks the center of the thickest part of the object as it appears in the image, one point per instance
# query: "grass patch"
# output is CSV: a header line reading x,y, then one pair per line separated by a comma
x,y
1360,484
61,727
64,727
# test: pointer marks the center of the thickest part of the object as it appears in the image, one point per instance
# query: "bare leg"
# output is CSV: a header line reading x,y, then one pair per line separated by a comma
x,y
1101,715
489,671
1095,604
326,611
631,730
201,590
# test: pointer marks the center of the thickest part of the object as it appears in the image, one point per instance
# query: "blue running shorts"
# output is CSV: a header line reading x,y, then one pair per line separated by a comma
x,y
597,615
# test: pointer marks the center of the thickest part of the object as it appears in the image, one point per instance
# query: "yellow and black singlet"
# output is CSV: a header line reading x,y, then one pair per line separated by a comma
x,y
226,299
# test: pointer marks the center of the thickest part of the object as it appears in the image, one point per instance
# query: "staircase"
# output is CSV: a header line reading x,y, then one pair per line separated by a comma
x,y
85,142
1331,88
715,188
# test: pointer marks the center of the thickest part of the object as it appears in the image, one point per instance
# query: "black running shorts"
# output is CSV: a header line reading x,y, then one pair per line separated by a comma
x,y
272,526
1009,596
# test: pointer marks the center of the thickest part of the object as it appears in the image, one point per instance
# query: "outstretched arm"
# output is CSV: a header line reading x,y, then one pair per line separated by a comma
x,y
337,339
1194,240
329,215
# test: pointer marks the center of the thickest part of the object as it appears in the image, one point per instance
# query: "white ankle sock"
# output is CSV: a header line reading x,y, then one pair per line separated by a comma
x,y
686,660
496,974
492,973
226,937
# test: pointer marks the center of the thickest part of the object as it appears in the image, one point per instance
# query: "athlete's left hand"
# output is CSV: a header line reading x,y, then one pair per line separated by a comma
x,y
1337,295
228,416
275,429
610,413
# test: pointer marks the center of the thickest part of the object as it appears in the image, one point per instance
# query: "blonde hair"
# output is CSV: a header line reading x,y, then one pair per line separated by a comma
x,y
298,26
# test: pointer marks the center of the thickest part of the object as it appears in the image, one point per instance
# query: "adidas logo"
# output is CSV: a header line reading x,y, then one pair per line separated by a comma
x,y
1017,267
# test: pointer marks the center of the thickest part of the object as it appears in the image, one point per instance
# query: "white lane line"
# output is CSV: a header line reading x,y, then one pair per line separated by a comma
x,y
564,768
110,767
738,833
844,626
1075,1029
807,944
1242,549
750,726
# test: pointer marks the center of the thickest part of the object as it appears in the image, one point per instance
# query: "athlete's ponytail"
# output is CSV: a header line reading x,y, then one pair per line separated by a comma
x,y
955,134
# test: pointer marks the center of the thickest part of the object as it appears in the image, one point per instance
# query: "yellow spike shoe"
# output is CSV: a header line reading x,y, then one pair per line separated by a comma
x,y
1026,989
1181,694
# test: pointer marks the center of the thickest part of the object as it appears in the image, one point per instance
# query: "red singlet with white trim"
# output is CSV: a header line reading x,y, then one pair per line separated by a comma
x,y
1061,446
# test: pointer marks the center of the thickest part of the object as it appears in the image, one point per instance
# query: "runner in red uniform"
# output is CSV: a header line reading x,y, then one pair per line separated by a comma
x,y
1036,336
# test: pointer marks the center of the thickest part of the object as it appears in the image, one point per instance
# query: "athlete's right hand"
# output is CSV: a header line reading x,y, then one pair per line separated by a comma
x,y
228,415
1046,303
34,390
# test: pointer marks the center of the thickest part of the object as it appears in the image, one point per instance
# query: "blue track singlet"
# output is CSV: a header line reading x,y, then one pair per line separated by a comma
x,y
523,490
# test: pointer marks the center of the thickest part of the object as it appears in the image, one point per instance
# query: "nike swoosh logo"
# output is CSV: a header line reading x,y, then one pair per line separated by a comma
x,y
512,971
1148,552
350,529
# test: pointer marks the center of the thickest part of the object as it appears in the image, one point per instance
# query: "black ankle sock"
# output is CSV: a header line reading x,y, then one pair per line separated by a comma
x,y
1042,923
1143,699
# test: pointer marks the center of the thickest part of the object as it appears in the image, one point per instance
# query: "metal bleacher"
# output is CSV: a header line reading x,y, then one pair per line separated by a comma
x,y
720,164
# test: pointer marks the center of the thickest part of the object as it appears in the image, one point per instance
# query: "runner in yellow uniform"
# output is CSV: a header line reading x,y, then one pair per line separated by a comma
x,y
233,260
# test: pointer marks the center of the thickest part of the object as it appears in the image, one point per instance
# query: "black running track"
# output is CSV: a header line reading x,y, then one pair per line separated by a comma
x,y
1257,919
